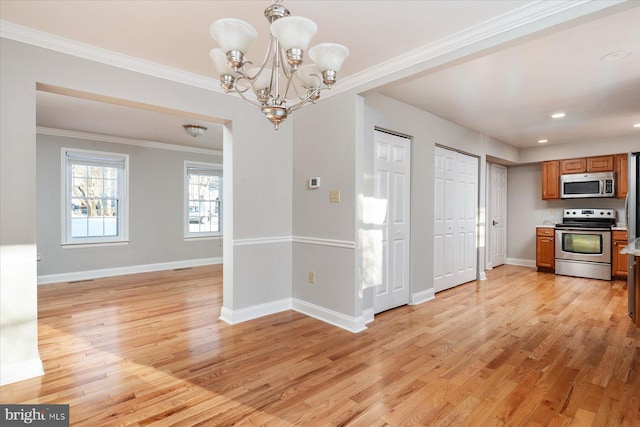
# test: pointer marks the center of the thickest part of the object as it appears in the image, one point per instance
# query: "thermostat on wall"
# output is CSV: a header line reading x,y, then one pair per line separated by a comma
x,y
314,182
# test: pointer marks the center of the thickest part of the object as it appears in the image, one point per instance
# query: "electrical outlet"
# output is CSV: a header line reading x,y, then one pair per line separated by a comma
x,y
334,196
551,212
312,277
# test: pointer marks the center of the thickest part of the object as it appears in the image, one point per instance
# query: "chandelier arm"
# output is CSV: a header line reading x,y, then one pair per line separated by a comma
x,y
306,100
249,100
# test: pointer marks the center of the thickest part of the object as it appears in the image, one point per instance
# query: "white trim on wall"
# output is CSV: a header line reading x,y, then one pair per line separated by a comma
x,y
527,19
423,296
346,244
351,324
240,315
127,141
118,271
522,262
23,34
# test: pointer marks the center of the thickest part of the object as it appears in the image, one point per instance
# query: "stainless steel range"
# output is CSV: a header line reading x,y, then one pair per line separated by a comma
x,y
583,243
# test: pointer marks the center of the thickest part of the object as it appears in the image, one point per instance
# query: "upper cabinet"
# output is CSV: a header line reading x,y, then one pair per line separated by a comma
x,y
551,180
589,164
622,175
551,171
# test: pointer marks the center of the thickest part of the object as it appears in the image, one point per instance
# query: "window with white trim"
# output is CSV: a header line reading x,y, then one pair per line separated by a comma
x,y
203,199
95,205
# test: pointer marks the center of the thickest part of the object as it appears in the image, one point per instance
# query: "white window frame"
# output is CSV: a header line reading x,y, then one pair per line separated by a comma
x,y
96,158
217,169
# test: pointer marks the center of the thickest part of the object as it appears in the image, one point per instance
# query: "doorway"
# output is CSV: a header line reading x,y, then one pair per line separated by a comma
x,y
455,218
392,184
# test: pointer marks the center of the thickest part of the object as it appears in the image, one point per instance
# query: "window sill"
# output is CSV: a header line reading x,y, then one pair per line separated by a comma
x,y
93,245
199,238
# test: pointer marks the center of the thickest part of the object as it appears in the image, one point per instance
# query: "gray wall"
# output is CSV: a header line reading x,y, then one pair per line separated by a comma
x,y
324,146
257,163
156,210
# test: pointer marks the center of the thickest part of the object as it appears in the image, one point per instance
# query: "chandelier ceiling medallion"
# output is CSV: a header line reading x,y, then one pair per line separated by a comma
x,y
281,84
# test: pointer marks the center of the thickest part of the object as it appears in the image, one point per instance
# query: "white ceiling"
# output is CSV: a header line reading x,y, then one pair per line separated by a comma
x,y
507,93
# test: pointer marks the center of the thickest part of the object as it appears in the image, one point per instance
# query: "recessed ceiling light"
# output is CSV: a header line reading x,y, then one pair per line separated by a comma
x,y
558,115
615,56
543,141
637,125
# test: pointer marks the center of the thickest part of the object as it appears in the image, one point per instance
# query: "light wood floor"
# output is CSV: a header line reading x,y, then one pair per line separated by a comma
x,y
521,348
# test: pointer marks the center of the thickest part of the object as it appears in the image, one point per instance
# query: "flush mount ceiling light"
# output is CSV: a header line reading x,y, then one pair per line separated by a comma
x,y
615,56
281,84
195,130
637,125
558,115
543,141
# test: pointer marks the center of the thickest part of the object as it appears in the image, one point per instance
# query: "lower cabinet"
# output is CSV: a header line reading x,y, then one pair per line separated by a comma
x,y
545,248
619,263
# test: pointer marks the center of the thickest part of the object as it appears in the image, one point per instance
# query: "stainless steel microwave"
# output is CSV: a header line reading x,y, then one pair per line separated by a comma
x,y
584,185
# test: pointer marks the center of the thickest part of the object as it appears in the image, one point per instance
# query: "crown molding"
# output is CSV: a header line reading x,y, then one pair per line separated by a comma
x,y
127,141
27,35
528,19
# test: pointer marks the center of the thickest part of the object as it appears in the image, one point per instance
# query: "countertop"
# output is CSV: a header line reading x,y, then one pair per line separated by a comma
x,y
553,226
633,248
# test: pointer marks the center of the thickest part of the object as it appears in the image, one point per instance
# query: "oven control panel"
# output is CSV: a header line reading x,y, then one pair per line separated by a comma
x,y
590,213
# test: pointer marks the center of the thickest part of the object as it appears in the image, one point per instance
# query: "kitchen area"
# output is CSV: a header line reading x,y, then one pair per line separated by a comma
x,y
597,235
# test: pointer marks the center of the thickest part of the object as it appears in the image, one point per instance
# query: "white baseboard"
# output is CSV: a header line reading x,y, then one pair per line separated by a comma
x,y
368,315
15,372
522,262
423,296
118,271
249,313
334,318
351,324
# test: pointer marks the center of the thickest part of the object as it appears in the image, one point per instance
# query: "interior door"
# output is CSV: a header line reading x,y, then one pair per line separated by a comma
x,y
497,214
392,184
455,219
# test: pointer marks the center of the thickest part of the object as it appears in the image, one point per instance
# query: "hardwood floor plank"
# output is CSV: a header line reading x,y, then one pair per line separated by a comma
x,y
520,348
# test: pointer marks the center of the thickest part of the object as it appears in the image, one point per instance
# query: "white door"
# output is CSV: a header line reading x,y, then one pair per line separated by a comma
x,y
392,184
455,219
497,214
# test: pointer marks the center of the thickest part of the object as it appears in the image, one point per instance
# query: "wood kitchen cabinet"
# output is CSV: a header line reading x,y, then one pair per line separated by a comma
x,y
551,180
622,175
619,263
545,248
588,164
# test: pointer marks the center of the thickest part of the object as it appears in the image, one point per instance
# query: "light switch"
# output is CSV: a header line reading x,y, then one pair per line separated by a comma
x,y
334,196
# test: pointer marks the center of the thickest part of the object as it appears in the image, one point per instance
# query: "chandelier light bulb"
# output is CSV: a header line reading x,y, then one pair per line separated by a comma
x,y
282,83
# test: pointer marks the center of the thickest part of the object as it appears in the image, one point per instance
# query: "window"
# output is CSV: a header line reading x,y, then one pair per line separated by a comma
x,y
203,199
94,197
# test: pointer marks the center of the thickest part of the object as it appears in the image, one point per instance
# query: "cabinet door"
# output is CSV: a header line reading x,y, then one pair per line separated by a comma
x,y
574,166
622,175
551,180
620,261
545,252
600,164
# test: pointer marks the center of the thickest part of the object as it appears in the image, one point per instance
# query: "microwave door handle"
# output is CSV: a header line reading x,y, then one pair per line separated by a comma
x,y
602,186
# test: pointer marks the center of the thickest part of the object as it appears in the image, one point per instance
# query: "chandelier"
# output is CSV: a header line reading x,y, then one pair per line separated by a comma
x,y
281,84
